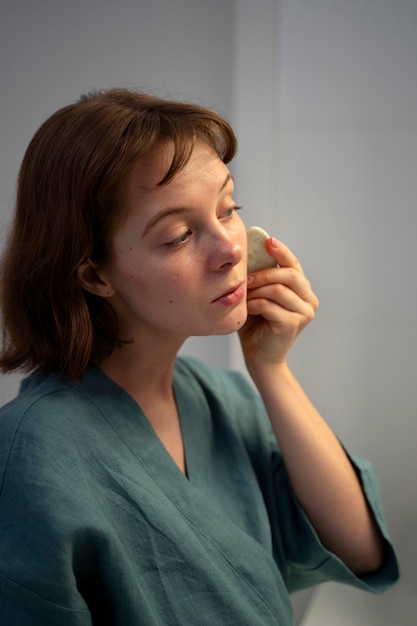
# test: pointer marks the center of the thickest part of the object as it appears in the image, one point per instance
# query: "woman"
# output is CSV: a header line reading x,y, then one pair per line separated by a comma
x,y
139,487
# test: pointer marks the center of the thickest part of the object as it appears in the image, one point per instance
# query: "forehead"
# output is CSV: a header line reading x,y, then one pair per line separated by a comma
x,y
151,169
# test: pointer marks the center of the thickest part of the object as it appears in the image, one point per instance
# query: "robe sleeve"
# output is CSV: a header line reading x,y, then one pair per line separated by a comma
x,y
307,561
298,551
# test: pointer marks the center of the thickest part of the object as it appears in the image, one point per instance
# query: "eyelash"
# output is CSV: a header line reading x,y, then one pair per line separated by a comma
x,y
233,209
178,241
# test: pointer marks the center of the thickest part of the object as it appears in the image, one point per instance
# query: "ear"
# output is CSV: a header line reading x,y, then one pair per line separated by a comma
x,y
92,279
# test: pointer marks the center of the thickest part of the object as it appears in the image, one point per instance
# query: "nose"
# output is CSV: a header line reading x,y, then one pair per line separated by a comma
x,y
225,248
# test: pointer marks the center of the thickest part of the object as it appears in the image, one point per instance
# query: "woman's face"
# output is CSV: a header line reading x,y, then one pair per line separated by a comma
x,y
178,265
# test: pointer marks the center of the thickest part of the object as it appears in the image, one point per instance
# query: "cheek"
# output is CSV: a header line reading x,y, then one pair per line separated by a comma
x,y
175,286
164,286
153,282
172,291
243,239
239,235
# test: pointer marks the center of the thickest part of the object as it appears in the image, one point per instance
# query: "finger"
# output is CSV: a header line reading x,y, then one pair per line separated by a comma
x,y
279,297
282,255
280,320
269,283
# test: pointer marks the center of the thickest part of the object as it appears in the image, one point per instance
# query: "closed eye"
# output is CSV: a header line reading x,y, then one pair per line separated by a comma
x,y
181,239
230,211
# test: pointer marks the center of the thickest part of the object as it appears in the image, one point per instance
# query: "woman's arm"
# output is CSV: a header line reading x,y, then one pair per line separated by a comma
x,y
280,304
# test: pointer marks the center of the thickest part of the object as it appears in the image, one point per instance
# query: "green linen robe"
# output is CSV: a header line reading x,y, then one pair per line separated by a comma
x,y
99,526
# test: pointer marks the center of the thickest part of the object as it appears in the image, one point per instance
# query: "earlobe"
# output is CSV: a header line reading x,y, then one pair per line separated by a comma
x,y
93,280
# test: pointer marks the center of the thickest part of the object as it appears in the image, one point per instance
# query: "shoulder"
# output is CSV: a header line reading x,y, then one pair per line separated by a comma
x,y
36,396
45,399
53,397
48,417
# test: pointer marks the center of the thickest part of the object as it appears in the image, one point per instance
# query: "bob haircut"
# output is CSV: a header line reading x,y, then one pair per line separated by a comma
x,y
69,205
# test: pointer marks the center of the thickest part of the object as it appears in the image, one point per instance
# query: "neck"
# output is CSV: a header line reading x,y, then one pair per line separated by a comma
x,y
147,378
142,372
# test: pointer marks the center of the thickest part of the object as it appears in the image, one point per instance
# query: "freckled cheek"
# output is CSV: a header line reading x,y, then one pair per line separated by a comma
x,y
175,289
156,284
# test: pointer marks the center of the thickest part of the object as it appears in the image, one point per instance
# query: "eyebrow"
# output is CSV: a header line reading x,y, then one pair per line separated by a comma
x,y
163,213
226,180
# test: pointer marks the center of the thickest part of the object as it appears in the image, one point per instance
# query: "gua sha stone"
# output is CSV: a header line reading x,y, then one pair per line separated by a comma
x,y
258,257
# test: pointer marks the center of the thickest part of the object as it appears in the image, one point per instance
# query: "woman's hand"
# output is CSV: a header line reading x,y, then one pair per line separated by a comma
x,y
280,304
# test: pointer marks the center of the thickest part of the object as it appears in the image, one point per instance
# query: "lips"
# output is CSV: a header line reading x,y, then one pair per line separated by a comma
x,y
232,295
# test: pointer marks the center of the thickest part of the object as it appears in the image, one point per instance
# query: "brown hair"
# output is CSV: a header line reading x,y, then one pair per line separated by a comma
x,y
69,204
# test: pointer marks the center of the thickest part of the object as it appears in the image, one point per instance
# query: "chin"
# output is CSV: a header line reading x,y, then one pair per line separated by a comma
x,y
232,324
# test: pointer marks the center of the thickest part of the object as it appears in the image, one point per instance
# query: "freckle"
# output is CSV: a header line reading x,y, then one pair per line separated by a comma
x,y
171,301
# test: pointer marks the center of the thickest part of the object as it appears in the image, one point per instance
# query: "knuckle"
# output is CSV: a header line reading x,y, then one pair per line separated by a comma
x,y
311,314
279,289
293,274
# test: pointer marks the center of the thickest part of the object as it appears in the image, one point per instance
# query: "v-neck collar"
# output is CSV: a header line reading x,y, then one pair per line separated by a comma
x,y
220,473
126,417
221,486
196,425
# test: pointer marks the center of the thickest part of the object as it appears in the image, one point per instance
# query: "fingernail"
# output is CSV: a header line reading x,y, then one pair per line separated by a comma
x,y
274,243
250,279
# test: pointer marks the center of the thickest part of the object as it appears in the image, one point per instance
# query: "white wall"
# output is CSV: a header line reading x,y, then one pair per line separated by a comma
x,y
323,95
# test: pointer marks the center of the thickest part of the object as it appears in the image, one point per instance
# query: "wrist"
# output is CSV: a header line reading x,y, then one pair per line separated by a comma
x,y
267,373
